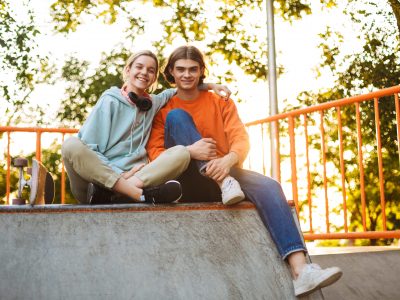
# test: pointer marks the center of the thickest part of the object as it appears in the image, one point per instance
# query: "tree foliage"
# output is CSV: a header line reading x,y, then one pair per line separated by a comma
x,y
20,63
188,21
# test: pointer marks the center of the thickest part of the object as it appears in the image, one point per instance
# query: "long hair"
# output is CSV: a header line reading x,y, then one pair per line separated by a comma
x,y
132,59
184,52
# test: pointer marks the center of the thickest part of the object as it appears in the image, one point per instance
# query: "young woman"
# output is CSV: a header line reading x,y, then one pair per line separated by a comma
x,y
109,151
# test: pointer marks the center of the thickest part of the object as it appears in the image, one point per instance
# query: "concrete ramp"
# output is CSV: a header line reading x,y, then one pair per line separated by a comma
x,y
200,251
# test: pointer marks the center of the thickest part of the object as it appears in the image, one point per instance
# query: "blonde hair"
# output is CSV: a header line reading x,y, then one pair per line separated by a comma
x,y
132,59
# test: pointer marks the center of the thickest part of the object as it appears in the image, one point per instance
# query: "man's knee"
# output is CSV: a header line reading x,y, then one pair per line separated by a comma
x,y
178,115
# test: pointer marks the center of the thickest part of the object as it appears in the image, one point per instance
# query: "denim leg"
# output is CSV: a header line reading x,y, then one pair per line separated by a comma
x,y
268,197
181,130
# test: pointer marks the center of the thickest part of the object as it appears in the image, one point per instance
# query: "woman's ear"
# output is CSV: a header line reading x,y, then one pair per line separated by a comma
x,y
127,70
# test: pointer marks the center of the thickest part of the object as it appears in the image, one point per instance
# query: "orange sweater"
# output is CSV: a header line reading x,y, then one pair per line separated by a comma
x,y
213,117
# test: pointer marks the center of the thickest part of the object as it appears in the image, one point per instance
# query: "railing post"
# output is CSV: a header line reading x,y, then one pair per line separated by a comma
x,y
293,163
323,150
342,168
62,175
38,145
380,167
361,166
8,176
309,200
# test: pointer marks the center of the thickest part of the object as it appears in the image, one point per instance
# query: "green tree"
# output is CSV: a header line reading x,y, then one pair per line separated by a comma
x,y
19,60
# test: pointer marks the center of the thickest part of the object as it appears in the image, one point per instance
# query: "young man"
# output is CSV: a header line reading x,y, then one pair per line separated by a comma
x,y
218,144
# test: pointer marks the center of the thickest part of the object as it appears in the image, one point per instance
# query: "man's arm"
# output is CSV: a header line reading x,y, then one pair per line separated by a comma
x,y
204,149
219,168
155,144
238,140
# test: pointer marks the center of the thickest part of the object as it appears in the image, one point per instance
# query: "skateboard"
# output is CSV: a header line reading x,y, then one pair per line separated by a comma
x,y
41,183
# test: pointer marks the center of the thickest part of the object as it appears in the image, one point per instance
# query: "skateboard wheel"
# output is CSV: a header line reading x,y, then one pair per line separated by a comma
x,y
18,201
20,162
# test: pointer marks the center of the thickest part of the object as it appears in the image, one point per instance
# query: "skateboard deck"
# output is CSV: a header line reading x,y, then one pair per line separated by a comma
x,y
41,183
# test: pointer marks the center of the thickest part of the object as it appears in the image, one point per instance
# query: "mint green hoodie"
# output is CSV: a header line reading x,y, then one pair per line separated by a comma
x,y
117,131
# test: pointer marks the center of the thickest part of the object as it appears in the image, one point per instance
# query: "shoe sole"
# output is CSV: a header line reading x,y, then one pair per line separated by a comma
x,y
235,199
324,283
90,193
180,196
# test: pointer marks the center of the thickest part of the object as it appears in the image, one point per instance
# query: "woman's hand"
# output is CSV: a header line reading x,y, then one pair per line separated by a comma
x,y
221,90
133,171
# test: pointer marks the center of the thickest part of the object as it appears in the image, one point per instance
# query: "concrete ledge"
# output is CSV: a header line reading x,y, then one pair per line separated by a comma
x,y
134,207
185,251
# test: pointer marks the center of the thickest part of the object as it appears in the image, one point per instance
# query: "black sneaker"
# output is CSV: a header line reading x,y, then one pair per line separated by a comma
x,y
165,193
99,195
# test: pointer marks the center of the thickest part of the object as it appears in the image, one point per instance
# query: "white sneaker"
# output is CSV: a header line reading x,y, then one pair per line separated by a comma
x,y
231,191
312,277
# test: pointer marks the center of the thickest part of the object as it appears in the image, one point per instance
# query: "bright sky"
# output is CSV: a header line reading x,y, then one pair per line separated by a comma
x,y
296,49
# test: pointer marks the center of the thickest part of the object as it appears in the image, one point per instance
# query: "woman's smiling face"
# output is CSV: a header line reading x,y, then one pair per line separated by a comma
x,y
141,74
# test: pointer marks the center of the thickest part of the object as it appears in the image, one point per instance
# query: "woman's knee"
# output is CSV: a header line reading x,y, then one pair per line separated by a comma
x,y
72,148
69,146
181,155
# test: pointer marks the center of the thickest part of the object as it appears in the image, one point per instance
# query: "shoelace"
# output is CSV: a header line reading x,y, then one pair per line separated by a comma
x,y
314,266
151,193
227,184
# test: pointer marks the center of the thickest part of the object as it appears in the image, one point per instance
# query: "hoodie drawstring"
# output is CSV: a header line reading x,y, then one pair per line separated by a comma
x,y
141,139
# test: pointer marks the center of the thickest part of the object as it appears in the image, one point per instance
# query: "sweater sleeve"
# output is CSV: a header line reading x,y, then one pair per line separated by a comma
x,y
235,131
155,145
162,98
95,132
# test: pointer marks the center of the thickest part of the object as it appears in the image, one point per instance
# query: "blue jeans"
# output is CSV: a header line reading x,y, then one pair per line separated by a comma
x,y
264,192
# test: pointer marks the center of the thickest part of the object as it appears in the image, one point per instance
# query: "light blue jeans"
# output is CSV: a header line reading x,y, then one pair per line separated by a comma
x,y
264,192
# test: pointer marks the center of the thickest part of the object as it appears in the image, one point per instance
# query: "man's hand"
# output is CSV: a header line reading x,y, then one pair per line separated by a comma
x,y
221,90
204,149
219,168
133,171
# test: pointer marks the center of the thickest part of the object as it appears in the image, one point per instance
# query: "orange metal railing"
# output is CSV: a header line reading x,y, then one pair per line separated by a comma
x,y
300,156
39,131
298,123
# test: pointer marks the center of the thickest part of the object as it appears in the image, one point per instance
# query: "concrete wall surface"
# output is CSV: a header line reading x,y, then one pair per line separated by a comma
x,y
366,275
139,252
